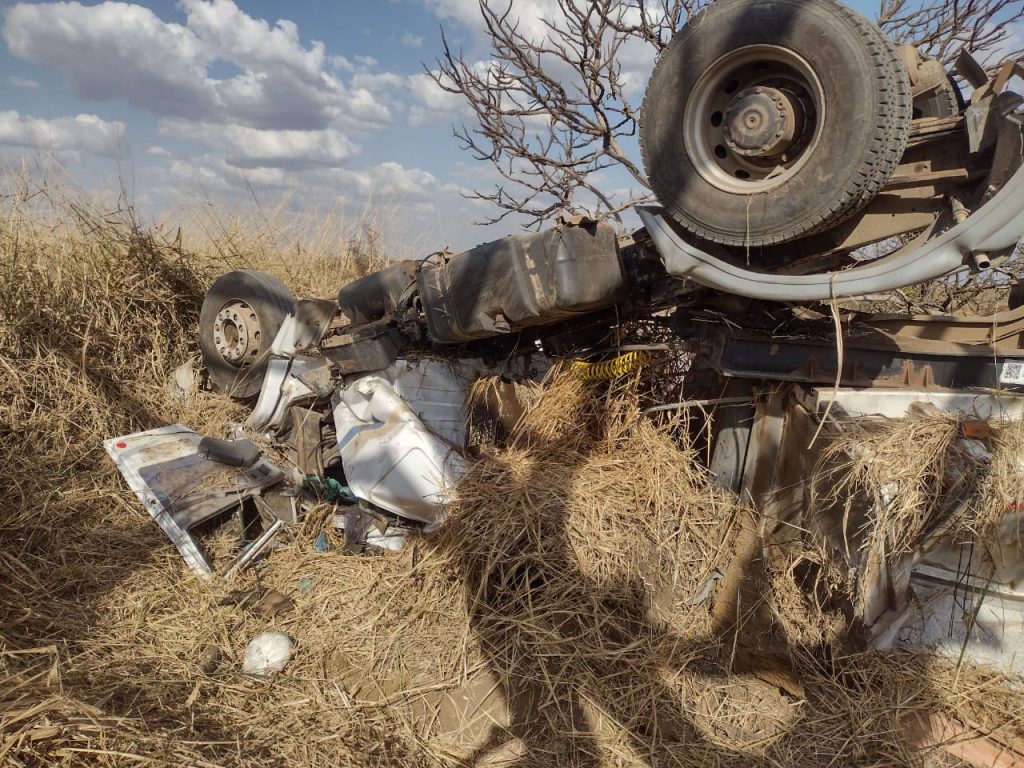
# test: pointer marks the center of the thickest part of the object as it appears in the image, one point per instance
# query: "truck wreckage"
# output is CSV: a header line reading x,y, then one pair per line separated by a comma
x,y
789,173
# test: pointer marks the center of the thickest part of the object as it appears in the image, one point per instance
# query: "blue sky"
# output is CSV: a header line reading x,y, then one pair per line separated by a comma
x,y
322,101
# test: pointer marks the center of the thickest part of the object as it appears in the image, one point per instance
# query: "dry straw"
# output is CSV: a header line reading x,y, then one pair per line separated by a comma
x,y
565,581
919,480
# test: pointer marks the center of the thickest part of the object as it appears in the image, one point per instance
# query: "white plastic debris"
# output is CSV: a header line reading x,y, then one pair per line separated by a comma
x,y
436,389
267,653
182,382
182,489
390,457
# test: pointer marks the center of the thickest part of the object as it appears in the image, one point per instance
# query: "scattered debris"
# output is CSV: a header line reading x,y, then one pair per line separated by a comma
x,y
364,527
252,551
273,604
705,590
234,453
267,653
181,489
390,457
329,489
181,384
210,659
267,603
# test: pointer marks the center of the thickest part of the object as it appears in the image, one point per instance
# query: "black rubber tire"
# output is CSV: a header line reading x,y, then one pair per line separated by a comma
x,y
947,101
272,302
864,133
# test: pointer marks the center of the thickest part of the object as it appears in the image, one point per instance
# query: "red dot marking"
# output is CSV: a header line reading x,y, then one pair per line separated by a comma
x,y
121,445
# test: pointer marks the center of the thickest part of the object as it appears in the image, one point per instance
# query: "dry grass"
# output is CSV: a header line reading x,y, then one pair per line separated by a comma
x,y
919,480
901,466
314,253
1002,493
564,578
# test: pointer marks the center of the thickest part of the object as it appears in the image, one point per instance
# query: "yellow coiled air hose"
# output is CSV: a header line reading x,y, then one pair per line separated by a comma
x,y
610,369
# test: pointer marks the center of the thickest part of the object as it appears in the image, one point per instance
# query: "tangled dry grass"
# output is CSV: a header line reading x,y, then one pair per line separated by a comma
x,y
920,479
555,620
902,465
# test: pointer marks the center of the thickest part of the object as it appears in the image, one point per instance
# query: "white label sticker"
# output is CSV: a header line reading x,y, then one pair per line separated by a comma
x,y
1012,373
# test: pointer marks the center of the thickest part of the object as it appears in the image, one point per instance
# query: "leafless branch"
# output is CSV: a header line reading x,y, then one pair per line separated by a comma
x,y
941,28
551,110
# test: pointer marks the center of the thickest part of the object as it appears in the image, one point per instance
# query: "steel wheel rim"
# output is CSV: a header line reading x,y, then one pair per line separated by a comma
x,y
237,333
716,117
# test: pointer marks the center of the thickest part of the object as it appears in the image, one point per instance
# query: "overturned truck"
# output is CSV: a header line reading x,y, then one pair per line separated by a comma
x,y
799,157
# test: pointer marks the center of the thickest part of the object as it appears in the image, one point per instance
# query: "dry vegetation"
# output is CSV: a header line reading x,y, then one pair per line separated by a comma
x,y
921,480
564,578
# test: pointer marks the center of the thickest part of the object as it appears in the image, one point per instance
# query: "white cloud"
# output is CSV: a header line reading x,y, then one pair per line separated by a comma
x,y
388,180
409,40
432,103
164,67
198,173
244,147
530,16
22,82
243,103
158,66
86,133
391,180
252,43
378,81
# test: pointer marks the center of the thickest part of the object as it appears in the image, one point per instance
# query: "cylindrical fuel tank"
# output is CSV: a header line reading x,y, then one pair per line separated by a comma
x,y
522,281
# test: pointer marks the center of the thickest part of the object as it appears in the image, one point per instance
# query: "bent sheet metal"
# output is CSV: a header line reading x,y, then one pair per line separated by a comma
x,y
181,489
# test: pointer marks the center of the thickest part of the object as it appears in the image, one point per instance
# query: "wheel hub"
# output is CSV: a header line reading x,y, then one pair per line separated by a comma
x,y
762,122
753,119
236,333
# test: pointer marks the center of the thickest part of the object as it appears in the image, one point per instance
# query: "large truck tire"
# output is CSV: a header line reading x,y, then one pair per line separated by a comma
x,y
769,120
240,316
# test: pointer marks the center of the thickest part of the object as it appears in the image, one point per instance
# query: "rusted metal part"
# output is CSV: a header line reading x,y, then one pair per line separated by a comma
x,y
1001,333
775,464
995,85
920,175
913,199
738,591
937,164
970,70
928,129
313,318
1007,158
762,122
495,407
732,436
882,351
306,437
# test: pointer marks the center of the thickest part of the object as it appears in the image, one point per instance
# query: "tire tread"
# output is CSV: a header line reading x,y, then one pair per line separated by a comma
x,y
880,159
